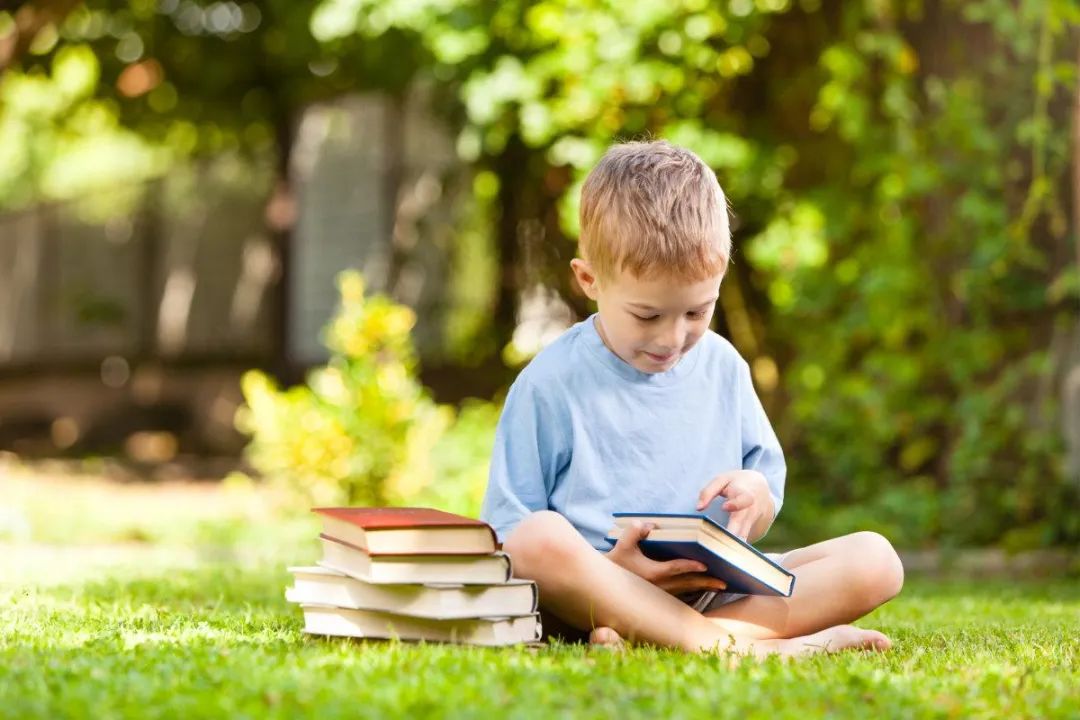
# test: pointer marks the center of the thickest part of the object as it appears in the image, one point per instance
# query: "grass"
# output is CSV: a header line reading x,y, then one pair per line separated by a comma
x,y
164,628
219,640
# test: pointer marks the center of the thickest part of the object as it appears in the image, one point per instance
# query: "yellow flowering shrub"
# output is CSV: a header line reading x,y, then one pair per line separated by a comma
x,y
363,430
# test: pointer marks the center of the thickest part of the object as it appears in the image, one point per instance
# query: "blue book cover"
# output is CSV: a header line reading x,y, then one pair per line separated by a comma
x,y
738,579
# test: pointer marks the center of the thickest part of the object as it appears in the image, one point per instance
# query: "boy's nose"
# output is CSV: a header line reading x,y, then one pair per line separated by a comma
x,y
673,336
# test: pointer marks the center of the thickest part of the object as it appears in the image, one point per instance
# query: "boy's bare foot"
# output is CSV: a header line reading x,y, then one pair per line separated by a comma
x,y
829,640
606,637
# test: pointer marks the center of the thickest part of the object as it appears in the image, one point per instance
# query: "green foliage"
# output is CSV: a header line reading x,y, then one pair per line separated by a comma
x,y
904,262
473,277
929,365
57,140
117,90
166,640
363,430
455,473
899,209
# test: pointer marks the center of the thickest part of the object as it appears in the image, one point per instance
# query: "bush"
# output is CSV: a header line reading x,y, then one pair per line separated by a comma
x,y
362,429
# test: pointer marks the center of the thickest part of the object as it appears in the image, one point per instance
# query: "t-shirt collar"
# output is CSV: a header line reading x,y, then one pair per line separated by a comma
x,y
628,372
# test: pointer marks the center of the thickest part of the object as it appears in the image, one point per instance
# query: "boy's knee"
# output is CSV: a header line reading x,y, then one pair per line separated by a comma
x,y
879,572
544,537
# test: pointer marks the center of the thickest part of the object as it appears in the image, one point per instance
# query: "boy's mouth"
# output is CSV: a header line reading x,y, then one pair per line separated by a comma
x,y
660,358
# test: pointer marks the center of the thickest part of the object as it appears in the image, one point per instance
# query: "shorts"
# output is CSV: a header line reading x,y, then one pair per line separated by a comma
x,y
705,600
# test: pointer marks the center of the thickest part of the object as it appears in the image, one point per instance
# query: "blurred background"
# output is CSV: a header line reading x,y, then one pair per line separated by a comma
x,y
260,255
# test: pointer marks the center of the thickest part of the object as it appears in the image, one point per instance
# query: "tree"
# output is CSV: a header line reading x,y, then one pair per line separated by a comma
x,y
899,207
904,266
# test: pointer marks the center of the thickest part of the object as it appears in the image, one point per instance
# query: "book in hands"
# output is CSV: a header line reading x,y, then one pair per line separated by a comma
x,y
323,620
321,586
464,569
407,531
699,537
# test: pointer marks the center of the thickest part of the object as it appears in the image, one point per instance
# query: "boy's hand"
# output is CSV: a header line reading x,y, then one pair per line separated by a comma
x,y
749,504
674,576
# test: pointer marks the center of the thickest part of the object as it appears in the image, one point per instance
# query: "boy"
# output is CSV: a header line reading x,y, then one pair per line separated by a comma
x,y
642,408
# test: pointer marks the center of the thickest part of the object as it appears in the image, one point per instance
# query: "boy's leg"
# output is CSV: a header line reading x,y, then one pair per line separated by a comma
x,y
839,581
584,588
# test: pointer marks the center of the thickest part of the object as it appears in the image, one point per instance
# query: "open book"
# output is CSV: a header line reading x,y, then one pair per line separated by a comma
x,y
699,537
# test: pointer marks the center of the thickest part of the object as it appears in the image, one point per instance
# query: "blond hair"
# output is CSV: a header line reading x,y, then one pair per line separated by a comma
x,y
653,208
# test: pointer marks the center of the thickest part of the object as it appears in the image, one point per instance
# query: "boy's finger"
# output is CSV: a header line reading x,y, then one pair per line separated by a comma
x,y
682,567
738,502
737,526
714,488
634,534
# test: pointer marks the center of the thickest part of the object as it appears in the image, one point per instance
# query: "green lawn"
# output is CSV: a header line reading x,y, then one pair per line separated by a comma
x,y
154,600
216,639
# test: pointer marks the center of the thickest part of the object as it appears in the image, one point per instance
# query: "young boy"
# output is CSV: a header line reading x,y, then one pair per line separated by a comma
x,y
642,408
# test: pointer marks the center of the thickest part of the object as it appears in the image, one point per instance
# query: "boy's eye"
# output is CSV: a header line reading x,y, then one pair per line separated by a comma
x,y
693,315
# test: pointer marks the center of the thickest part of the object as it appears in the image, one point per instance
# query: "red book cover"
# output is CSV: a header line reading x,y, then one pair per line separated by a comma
x,y
373,518
355,523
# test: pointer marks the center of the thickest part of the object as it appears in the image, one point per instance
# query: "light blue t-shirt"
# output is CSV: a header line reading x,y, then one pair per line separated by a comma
x,y
585,434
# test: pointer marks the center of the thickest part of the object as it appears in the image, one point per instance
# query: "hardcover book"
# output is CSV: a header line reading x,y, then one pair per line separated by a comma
x,y
725,555
322,586
464,569
407,531
322,620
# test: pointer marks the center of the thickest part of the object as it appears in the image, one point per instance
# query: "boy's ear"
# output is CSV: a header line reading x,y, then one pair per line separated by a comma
x,y
585,276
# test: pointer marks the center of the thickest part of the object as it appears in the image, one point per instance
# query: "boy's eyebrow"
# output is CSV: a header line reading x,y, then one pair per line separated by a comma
x,y
643,306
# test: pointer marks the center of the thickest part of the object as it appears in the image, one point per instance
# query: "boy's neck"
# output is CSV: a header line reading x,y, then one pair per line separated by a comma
x,y
599,325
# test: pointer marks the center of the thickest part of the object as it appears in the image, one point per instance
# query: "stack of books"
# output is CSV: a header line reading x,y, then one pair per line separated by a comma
x,y
413,574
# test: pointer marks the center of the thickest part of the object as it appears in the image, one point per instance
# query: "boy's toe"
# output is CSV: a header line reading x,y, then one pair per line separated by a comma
x,y
605,637
880,642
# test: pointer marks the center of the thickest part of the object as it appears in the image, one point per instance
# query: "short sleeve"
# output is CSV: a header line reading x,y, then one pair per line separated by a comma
x,y
761,450
531,448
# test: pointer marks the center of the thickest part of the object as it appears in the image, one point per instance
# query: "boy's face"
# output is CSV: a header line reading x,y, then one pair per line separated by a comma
x,y
649,323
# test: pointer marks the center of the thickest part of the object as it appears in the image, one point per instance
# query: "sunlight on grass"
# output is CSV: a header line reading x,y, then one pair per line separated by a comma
x,y
218,639
193,622
83,509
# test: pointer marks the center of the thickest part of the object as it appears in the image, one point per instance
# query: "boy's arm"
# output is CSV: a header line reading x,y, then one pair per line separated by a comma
x,y
531,447
753,493
761,450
